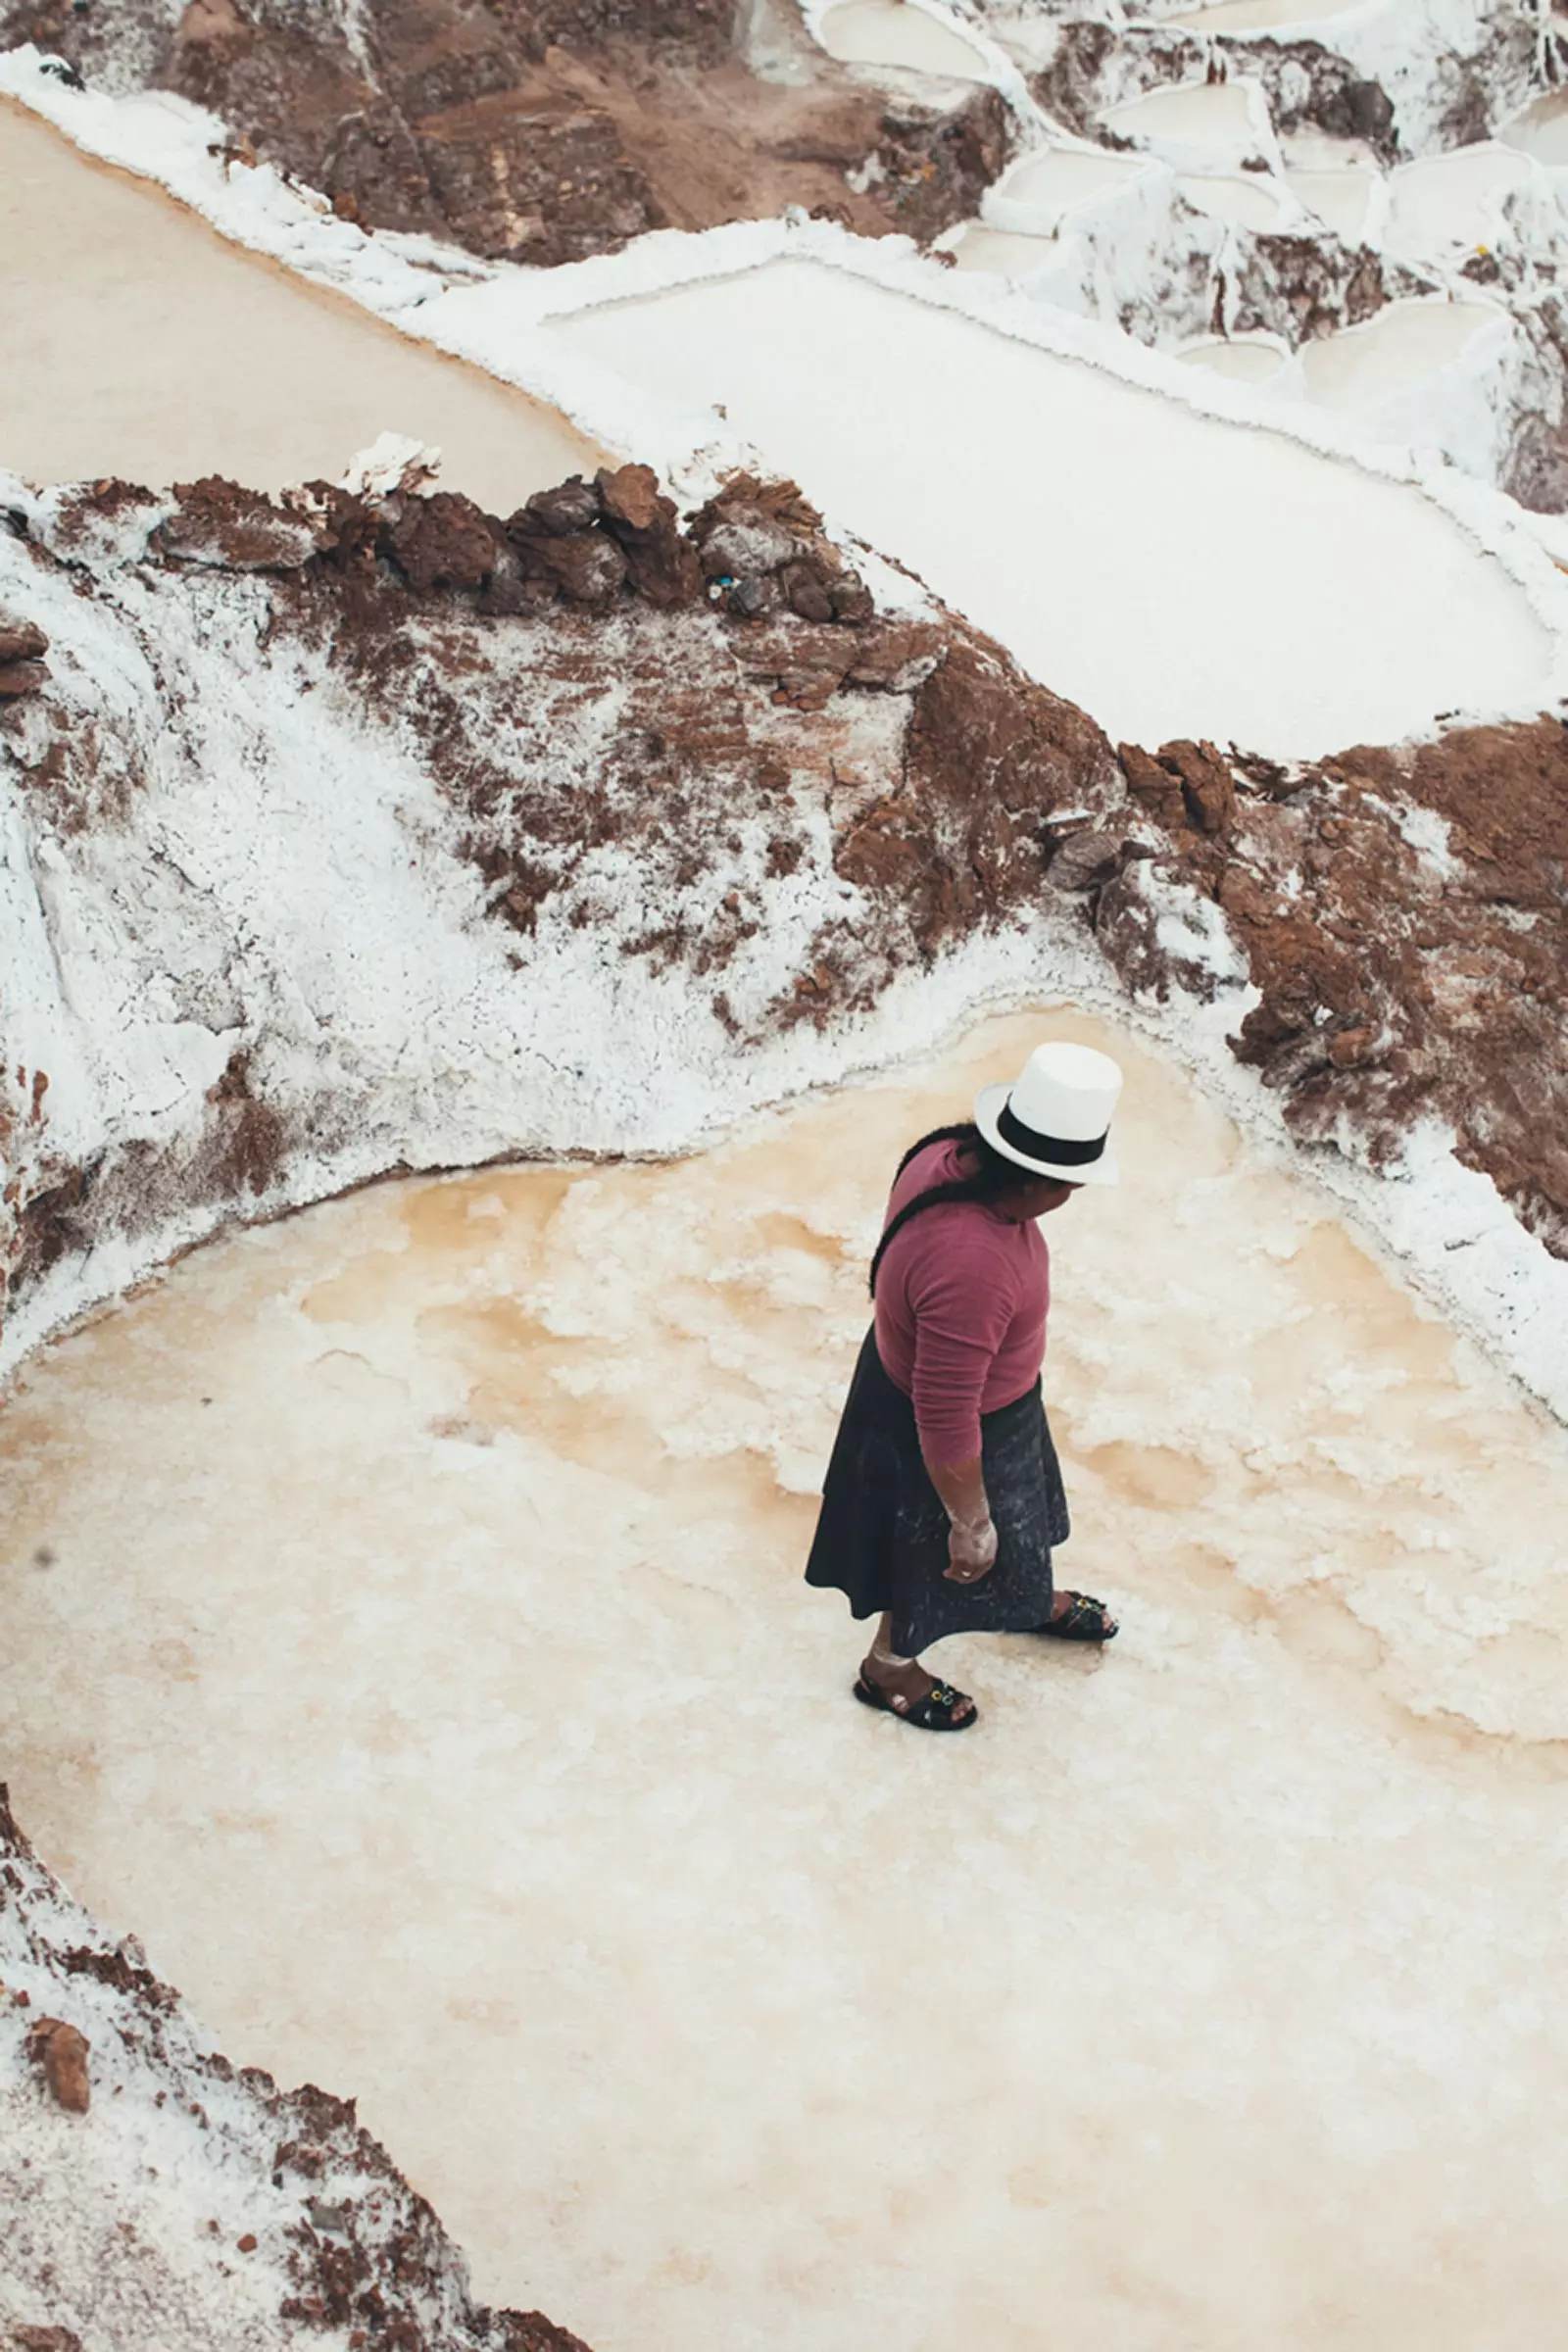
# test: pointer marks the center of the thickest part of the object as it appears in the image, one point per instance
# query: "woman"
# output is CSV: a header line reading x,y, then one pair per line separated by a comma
x,y
944,1499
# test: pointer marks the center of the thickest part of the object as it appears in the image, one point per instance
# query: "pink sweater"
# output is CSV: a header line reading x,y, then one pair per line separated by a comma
x,y
961,1300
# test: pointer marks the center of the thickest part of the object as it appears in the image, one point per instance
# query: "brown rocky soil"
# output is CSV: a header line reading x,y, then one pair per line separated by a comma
x,y
541,131
756,692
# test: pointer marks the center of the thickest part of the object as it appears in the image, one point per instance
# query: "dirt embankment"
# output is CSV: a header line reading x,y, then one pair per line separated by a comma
x,y
543,130
753,734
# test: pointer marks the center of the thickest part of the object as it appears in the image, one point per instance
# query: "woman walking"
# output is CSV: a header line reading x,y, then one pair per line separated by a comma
x,y
944,1499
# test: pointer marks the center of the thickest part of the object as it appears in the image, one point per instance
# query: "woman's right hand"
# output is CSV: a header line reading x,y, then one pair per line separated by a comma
x,y
971,1549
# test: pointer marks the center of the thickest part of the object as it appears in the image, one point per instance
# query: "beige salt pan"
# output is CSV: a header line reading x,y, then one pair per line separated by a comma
x,y
138,342
405,1634
893,33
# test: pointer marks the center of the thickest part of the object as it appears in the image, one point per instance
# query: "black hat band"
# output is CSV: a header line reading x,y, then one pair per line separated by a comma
x,y
1047,1147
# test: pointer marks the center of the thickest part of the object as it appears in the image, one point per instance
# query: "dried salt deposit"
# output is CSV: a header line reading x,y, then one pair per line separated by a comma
x,y
405,1631
1126,549
141,343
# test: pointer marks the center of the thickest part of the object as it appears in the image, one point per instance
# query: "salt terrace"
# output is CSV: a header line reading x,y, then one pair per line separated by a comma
x,y
405,1626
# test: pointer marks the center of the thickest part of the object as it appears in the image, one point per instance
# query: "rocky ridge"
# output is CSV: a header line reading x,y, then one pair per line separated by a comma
x,y
695,751
544,130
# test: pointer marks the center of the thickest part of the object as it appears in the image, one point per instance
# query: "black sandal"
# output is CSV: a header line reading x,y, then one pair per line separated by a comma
x,y
933,1713
1084,1619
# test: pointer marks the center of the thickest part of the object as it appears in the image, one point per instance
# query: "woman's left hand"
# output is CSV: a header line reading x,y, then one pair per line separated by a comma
x,y
971,1549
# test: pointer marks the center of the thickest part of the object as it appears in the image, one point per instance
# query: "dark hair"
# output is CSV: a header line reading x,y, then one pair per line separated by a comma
x,y
995,1175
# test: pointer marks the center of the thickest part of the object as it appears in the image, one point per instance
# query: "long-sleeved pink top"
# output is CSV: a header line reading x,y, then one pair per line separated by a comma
x,y
961,1300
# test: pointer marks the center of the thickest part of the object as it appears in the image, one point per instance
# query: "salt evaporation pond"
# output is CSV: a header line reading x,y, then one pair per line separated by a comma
x,y
1341,199
139,342
405,1637
1248,202
1001,251
1260,16
1193,113
1174,574
1402,345
1242,358
891,32
1446,200
1542,130
1064,176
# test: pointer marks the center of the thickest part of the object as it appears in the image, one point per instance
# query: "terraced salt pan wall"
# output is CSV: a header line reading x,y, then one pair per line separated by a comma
x,y
1488,554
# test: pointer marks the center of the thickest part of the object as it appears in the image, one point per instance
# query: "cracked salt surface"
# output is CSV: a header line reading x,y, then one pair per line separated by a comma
x,y
1172,573
441,1702
141,343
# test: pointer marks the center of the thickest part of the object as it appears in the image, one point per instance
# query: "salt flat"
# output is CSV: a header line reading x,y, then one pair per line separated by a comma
x,y
1172,573
405,1637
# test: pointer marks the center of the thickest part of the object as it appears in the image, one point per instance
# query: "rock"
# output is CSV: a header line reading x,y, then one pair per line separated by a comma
x,y
543,183
21,641
936,163
852,601
1153,786
531,2332
444,541
216,522
632,500
754,599
806,665
1084,857
746,544
806,590
571,505
517,587
62,2051
1209,789
345,524
1350,1047
662,563
895,656
18,679
1362,110
589,568
1183,783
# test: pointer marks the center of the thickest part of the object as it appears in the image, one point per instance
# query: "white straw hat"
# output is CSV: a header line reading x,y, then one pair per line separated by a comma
x,y
1055,1121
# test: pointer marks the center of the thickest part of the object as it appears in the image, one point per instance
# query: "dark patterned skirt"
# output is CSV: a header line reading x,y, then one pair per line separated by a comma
x,y
882,1536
